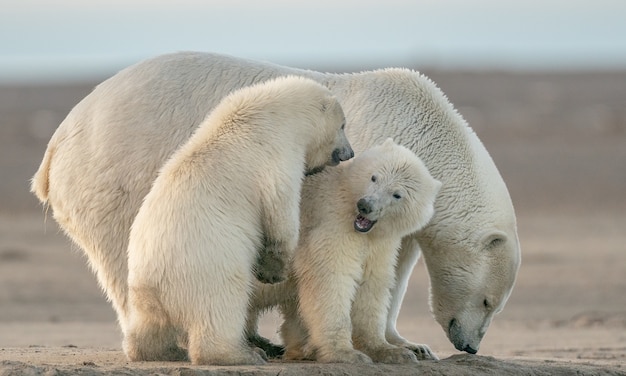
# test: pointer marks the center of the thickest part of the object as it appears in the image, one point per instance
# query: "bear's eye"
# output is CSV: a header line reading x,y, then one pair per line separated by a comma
x,y
343,126
495,243
486,304
374,178
397,196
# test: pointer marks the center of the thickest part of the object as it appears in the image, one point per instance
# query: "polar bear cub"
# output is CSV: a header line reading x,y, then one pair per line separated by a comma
x,y
353,218
224,204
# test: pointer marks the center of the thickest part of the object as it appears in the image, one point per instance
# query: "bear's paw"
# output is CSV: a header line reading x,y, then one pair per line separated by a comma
x,y
423,352
394,355
270,266
345,356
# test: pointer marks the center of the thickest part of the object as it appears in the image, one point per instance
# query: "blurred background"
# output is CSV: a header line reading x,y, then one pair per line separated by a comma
x,y
57,40
542,82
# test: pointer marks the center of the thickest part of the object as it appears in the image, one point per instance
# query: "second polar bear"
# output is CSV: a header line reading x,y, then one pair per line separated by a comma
x,y
227,200
353,218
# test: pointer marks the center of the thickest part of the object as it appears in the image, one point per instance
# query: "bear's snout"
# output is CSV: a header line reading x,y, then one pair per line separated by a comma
x,y
342,154
361,222
364,206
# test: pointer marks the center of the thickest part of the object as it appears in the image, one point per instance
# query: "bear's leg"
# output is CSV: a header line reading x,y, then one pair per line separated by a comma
x,y
370,308
270,350
104,239
150,336
264,297
325,302
212,346
150,341
294,334
216,321
408,256
281,226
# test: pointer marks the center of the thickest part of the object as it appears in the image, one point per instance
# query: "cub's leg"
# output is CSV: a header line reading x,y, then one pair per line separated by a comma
x,y
325,300
294,333
216,318
370,308
150,336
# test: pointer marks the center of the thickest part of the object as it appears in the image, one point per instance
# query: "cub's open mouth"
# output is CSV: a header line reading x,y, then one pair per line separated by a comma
x,y
363,224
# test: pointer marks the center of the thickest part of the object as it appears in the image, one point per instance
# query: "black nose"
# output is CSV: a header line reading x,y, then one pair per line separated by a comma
x,y
364,206
469,349
342,155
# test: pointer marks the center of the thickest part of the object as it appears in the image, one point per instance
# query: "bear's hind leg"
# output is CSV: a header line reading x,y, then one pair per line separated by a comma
x,y
149,342
208,347
150,336
216,321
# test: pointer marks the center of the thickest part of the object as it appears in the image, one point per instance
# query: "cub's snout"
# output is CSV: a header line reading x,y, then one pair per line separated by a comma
x,y
361,222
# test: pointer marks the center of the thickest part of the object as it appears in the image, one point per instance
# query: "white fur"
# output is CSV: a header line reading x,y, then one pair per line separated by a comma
x,y
233,189
344,276
102,159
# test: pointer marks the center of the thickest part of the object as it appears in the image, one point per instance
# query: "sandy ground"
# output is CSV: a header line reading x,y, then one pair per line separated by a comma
x,y
560,144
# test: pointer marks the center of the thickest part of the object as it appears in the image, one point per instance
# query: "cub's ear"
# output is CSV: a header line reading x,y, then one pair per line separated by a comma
x,y
388,143
329,103
437,185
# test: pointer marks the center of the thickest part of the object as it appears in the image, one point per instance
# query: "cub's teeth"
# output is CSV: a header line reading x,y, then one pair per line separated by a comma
x,y
363,224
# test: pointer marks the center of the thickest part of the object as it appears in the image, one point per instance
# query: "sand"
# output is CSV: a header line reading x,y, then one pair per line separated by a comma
x,y
560,143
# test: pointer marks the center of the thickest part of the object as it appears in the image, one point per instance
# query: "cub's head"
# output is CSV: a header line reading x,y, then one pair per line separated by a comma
x,y
312,111
394,192
329,146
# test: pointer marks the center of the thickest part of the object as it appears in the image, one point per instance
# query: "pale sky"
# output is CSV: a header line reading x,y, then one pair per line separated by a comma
x,y
64,39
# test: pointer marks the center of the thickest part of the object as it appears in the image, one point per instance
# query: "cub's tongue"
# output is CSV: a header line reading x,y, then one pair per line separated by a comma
x,y
363,224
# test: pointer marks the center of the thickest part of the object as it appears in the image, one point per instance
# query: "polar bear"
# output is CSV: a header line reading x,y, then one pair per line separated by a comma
x,y
353,218
103,158
232,189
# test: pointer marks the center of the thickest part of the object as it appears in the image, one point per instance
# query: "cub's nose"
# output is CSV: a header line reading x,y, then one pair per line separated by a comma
x,y
342,154
364,206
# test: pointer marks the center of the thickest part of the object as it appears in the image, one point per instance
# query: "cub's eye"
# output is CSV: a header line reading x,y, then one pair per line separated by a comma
x,y
397,196
486,303
343,126
374,178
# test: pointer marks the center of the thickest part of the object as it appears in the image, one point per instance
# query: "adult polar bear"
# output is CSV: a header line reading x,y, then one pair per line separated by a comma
x,y
103,158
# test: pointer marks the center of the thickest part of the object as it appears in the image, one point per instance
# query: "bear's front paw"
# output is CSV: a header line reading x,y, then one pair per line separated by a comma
x,y
270,267
398,355
345,356
423,352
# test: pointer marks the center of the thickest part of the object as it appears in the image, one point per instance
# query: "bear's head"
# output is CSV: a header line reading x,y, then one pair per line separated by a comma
x,y
467,292
330,145
393,191
470,246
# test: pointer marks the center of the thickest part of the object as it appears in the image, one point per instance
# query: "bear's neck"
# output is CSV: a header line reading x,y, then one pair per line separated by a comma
x,y
412,110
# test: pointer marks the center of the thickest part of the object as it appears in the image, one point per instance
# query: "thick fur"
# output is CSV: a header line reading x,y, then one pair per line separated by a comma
x,y
231,190
344,275
103,158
